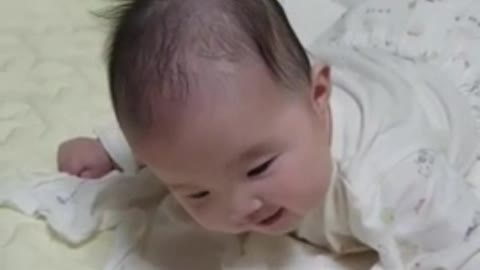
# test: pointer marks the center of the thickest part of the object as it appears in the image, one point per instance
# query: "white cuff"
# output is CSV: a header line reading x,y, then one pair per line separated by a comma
x,y
114,142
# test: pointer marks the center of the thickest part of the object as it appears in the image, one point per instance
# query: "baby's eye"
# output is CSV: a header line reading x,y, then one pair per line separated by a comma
x,y
199,195
260,169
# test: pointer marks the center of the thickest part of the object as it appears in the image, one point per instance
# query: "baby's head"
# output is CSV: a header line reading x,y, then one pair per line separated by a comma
x,y
219,99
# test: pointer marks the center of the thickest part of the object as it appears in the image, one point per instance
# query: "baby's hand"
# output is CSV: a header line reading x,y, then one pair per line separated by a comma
x,y
85,158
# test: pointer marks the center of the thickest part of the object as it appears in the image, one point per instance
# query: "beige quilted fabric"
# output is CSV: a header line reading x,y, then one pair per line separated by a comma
x,y
52,86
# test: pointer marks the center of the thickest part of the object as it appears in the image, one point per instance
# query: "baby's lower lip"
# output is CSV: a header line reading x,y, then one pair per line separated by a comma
x,y
273,218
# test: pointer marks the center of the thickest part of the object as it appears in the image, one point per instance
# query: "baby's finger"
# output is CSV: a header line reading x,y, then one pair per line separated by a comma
x,y
88,174
71,167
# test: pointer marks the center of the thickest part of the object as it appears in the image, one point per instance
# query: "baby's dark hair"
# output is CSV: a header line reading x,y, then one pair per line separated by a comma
x,y
153,42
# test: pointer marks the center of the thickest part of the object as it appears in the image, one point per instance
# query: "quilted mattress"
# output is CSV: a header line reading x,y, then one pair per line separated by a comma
x,y
52,87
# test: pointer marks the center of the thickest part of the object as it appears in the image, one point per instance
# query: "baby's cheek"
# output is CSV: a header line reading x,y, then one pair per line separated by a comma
x,y
208,216
194,210
198,211
306,189
289,187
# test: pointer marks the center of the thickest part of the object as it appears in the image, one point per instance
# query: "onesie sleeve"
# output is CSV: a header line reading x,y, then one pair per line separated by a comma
x,y
420,215
114,142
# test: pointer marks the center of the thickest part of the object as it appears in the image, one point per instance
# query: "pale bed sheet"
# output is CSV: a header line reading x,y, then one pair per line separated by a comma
x,y
52,87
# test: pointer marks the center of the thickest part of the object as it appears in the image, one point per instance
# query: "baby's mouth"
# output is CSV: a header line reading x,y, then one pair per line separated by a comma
x,y
273,218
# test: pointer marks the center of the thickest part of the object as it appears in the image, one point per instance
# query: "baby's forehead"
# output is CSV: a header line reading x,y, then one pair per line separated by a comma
x,y
203,141
223,94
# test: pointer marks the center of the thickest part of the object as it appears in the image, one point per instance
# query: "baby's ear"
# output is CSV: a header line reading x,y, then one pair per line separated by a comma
x,y
321,86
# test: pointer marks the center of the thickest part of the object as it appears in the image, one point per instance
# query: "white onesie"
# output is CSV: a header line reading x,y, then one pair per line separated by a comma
x,y
404,102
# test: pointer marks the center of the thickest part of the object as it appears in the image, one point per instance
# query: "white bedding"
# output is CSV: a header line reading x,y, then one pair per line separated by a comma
x,y
52,87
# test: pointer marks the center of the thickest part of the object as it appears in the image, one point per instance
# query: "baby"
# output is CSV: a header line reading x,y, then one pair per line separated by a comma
x,y
365,145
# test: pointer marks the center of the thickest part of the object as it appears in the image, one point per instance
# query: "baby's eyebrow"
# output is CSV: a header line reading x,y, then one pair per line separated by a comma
x,y
255,151
179,186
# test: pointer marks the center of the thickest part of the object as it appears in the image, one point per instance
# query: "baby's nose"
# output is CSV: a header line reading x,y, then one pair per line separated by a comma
x,y
245,213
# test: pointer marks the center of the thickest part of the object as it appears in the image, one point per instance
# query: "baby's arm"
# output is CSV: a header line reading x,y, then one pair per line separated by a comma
x,y
422,215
